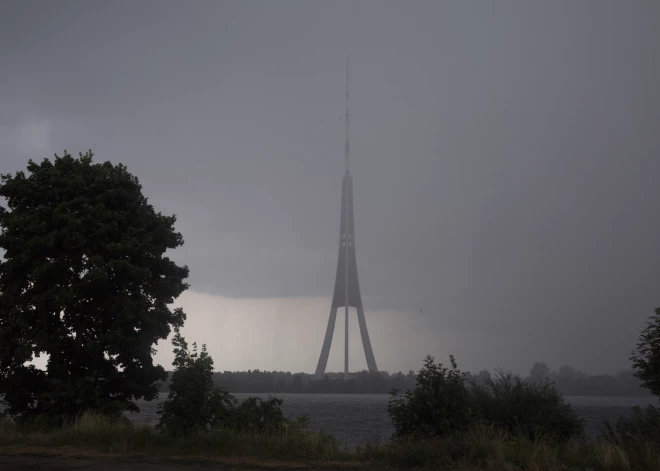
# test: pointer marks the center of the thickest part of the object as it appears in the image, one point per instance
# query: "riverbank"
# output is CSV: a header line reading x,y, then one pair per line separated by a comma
x,y
356,419
95,443
359,418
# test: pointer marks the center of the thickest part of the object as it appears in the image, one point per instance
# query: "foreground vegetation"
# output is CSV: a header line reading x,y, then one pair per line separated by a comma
x,y
102,434
475,449
442,423
447,421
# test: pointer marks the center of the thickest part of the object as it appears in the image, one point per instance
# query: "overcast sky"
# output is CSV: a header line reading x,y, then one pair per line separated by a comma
x,y
505,155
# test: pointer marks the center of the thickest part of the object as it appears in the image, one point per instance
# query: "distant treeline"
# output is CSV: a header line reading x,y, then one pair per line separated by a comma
x,y
255,381
571,382
568,381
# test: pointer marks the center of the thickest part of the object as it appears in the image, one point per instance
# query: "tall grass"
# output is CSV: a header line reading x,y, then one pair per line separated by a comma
x,y
636,437
486,448
97,433
479,448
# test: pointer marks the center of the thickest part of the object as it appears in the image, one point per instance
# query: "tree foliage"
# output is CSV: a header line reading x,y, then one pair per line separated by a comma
x,y
646,360
195,406
531,409
188,408
254,415
436,406
444,401
540,372
85,282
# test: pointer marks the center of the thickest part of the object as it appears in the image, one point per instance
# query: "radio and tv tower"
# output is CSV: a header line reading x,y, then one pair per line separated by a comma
x,y
347,287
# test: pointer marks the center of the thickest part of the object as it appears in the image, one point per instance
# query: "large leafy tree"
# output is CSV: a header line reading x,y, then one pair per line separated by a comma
x,y
646,360
85,281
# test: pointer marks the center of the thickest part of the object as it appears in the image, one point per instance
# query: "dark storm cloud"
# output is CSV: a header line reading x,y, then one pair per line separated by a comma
x,y
505,155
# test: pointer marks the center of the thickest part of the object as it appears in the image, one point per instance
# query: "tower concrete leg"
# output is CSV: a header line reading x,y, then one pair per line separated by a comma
x,y
327,341
366,343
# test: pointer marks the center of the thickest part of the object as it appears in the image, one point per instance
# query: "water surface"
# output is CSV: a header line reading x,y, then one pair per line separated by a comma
x,y
357,418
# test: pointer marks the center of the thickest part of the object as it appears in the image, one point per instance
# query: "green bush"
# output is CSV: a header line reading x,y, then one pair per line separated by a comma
x,y
195,406
254,415
221,410
524,408
443,404
188,407
439,403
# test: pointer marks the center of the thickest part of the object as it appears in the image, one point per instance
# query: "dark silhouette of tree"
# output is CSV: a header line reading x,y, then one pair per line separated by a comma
x,y
280,386
539,372
297,384
483,377
84,281
570,372
646,360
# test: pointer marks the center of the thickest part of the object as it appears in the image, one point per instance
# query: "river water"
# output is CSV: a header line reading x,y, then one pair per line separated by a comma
x,y
357,418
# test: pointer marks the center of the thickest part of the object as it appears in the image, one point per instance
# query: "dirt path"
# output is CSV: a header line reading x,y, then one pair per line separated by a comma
x,y
70,461
40,463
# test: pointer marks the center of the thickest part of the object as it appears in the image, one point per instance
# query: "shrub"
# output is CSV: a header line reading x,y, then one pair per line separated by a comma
x,y
524,408
187,408
194,405
442,404
252,415
221,410
439,403
256,415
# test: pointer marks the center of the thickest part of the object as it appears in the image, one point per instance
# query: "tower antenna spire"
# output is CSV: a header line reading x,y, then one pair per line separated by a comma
x,y
347,287
347,158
